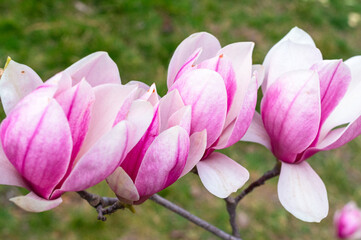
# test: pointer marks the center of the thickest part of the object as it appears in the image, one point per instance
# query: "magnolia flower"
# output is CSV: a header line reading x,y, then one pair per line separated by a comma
x,y
68,133
165,153
347,222
307,102
217,83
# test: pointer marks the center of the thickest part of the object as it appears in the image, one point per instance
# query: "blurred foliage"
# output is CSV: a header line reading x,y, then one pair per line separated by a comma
x,y
141,36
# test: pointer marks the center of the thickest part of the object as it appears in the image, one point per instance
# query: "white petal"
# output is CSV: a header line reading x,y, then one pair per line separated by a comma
x,y
221,175
302,192
257,133
33,203
17,81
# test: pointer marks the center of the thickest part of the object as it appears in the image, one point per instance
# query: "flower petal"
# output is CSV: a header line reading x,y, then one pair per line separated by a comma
x,y
288,55
236,130
97,68
334,78
122,185
164,162
37,140
207,42
197,147
100,161
8,174
168,105
33,203
181,118
109,99
17,81
240,55
205,91
302,192
291,113
220,175
77,103
257,133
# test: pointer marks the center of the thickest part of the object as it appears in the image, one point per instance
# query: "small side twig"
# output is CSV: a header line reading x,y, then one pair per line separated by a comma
x,y
103,205
196,220
231,203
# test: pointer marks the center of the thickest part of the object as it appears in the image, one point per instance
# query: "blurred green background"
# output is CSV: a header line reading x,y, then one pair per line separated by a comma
x,y
141,36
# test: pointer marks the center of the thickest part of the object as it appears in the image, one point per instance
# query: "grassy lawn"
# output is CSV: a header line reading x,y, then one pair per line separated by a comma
x,y
141,36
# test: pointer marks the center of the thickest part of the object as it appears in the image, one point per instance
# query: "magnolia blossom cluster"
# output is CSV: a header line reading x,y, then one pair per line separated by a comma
x,y
83,125
347,222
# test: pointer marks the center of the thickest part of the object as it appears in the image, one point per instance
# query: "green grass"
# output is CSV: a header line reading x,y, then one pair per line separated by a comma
x,y
141,36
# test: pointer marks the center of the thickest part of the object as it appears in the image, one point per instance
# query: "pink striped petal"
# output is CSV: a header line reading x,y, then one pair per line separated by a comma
x,y
37,140
302,192
205,91
109,99
349,108
257,133
77,103
135,157
223,66
8,174
291,113
97,68
181,118
100,161
220,175
140,116
197,147
122,185
33,203
164,161
240,55
205,41
189,64
334,78
17,81
236,130
288,56
61,81
168,105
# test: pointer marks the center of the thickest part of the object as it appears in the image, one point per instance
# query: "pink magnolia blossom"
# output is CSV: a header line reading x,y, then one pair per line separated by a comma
x,y
218,84
68,133
307,102
164,154
347,222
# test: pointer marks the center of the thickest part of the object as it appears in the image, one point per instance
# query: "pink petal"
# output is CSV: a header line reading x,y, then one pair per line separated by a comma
x,y
205,91
168,105
197,147
109,99
291,113
164,161
33,203
349,108
97,68
288,56
122,185
140,116
207,42
77,103
334,78
37,140
236,130
302,192
223,66
221,175
259,69
61,81
151,95
240,55
181,118
17,81
100,161
189,64
8,174
257,133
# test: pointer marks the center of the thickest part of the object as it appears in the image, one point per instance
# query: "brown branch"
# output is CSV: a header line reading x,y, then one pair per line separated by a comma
x,y
194,219
103,205
231,203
